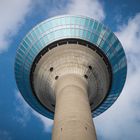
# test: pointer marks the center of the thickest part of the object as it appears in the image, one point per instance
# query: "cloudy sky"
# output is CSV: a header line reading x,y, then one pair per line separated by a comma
x,y
17,120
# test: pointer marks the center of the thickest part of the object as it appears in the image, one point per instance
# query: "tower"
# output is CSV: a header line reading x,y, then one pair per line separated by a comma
x,y
70,69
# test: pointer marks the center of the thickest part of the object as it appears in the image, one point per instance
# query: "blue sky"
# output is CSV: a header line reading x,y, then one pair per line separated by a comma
x,y
17,120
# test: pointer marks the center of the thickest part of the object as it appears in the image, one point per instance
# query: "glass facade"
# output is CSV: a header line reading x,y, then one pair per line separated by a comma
x,y
62,27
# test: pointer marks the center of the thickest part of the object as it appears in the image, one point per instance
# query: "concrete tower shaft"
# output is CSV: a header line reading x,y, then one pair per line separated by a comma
x,y
73,119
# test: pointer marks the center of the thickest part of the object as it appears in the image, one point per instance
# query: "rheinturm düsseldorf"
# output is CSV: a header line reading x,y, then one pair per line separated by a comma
x,y
70,69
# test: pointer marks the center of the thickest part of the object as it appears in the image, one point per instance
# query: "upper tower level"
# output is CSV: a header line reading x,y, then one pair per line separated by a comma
x,y
71,45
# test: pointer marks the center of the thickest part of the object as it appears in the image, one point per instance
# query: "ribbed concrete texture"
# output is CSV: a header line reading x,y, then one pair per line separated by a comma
x,y
73,119
71,59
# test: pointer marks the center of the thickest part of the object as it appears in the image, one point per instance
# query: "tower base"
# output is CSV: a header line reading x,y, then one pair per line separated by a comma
x,y
73,119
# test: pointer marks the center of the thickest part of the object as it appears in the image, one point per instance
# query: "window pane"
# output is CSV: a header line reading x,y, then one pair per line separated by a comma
x,y
24,44
72,20
62,21
67,19
91,24
88,35
78,20
72,32
28,41
99,28
34,35
80,32
95,38
87,22
82,21
84,33
95,25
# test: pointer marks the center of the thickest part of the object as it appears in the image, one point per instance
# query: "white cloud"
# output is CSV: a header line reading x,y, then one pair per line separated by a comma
x,y
47,123
122,120
91,8
24,112
12,15
129,35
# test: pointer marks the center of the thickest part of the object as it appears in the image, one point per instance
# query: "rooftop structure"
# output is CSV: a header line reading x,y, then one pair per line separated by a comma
x,y
70,69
